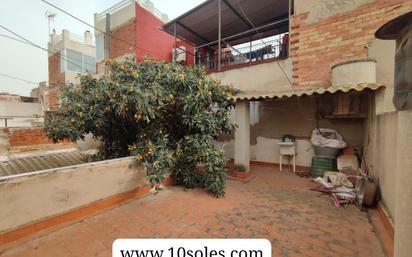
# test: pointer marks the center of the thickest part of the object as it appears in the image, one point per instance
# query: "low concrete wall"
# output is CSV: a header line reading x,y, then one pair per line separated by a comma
x,y
380,155
259,77
354,72
35,196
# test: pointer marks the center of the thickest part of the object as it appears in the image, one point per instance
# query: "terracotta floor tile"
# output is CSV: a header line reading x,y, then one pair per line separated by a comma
x,y
275,205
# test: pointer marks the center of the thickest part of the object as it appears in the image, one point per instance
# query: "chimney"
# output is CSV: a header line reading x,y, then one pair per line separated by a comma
x,y
53,37
88,37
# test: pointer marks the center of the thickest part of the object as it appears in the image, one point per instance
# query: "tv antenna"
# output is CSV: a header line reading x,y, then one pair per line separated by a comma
x,y
50,17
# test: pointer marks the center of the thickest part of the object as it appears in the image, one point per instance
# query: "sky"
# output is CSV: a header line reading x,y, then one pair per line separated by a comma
x,y
27,18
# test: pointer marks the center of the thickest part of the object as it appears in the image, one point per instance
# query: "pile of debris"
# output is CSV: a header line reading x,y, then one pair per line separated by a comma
x,y
341,170
346,189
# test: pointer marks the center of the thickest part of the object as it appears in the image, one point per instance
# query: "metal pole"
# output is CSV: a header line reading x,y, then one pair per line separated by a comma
x,y
175,45
250,50
219,37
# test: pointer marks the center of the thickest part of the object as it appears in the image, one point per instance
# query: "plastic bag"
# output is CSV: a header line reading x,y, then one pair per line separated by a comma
x,y
324,137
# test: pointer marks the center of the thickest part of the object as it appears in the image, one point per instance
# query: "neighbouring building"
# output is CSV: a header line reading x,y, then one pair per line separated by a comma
x,y
19,111
305,64
133,26
69,56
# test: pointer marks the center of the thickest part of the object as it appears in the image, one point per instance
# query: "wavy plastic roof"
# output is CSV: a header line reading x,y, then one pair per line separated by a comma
x,y
27,164
262,95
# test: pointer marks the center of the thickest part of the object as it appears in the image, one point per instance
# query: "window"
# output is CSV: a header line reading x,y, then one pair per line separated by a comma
x,y
71,60
75,61
100,46
89,63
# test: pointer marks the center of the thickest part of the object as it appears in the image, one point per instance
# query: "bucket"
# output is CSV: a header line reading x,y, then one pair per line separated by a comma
x,y
325,151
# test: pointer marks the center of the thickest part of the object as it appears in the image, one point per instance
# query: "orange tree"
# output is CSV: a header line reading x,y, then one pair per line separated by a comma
x,y
164,114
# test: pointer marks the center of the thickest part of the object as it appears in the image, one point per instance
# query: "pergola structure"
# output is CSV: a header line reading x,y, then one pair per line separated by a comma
x,y
230,21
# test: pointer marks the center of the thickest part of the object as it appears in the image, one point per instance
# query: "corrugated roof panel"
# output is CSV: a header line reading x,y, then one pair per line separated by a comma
x,y
40,162
262,95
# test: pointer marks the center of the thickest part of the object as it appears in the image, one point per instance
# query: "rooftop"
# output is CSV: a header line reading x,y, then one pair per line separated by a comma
x,y
241,20
275,205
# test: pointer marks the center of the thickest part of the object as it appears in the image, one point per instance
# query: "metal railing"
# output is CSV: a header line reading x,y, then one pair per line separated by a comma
x,y
232,57
82,40
113,9
148,5
74,37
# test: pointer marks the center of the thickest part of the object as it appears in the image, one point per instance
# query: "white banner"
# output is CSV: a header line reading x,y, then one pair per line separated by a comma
x,y
191,248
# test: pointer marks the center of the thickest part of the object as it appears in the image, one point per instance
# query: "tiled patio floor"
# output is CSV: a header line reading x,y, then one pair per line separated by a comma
x,y
275,205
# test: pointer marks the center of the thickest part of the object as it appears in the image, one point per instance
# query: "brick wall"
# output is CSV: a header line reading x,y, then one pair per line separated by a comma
x,y
55,76
26,136
10,98
53,97
127,33
18,137
316,47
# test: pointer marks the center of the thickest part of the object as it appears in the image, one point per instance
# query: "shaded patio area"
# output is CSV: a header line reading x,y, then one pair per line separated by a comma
x,y
275,205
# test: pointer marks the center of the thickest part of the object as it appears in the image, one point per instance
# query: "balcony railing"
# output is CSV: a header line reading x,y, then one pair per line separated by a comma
x,y
113,9
238,56
147,4
82,40
56,38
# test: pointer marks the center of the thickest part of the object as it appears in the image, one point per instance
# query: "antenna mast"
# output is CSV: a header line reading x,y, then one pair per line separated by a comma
x,y
50,17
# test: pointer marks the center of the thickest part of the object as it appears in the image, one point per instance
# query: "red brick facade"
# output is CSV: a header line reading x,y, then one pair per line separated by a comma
x,y
316,47
126,32
55,76
27,137
144,32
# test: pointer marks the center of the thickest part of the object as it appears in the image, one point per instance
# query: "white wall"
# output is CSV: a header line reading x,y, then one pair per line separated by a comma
x,y
34,196
382,125
383,51
260,77
296,116
20,109
23,113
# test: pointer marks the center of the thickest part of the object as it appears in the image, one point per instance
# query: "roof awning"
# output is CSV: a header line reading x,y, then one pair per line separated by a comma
x,y
200,24
263,95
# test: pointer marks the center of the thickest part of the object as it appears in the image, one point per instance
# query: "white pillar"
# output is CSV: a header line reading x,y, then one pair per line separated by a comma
x,y
403,202
242,136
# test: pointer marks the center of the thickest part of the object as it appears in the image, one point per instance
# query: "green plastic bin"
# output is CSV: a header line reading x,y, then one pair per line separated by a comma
x,y
322,164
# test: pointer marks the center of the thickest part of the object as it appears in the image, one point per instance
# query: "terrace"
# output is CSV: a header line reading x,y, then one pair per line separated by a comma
x,y
229,34
275,205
